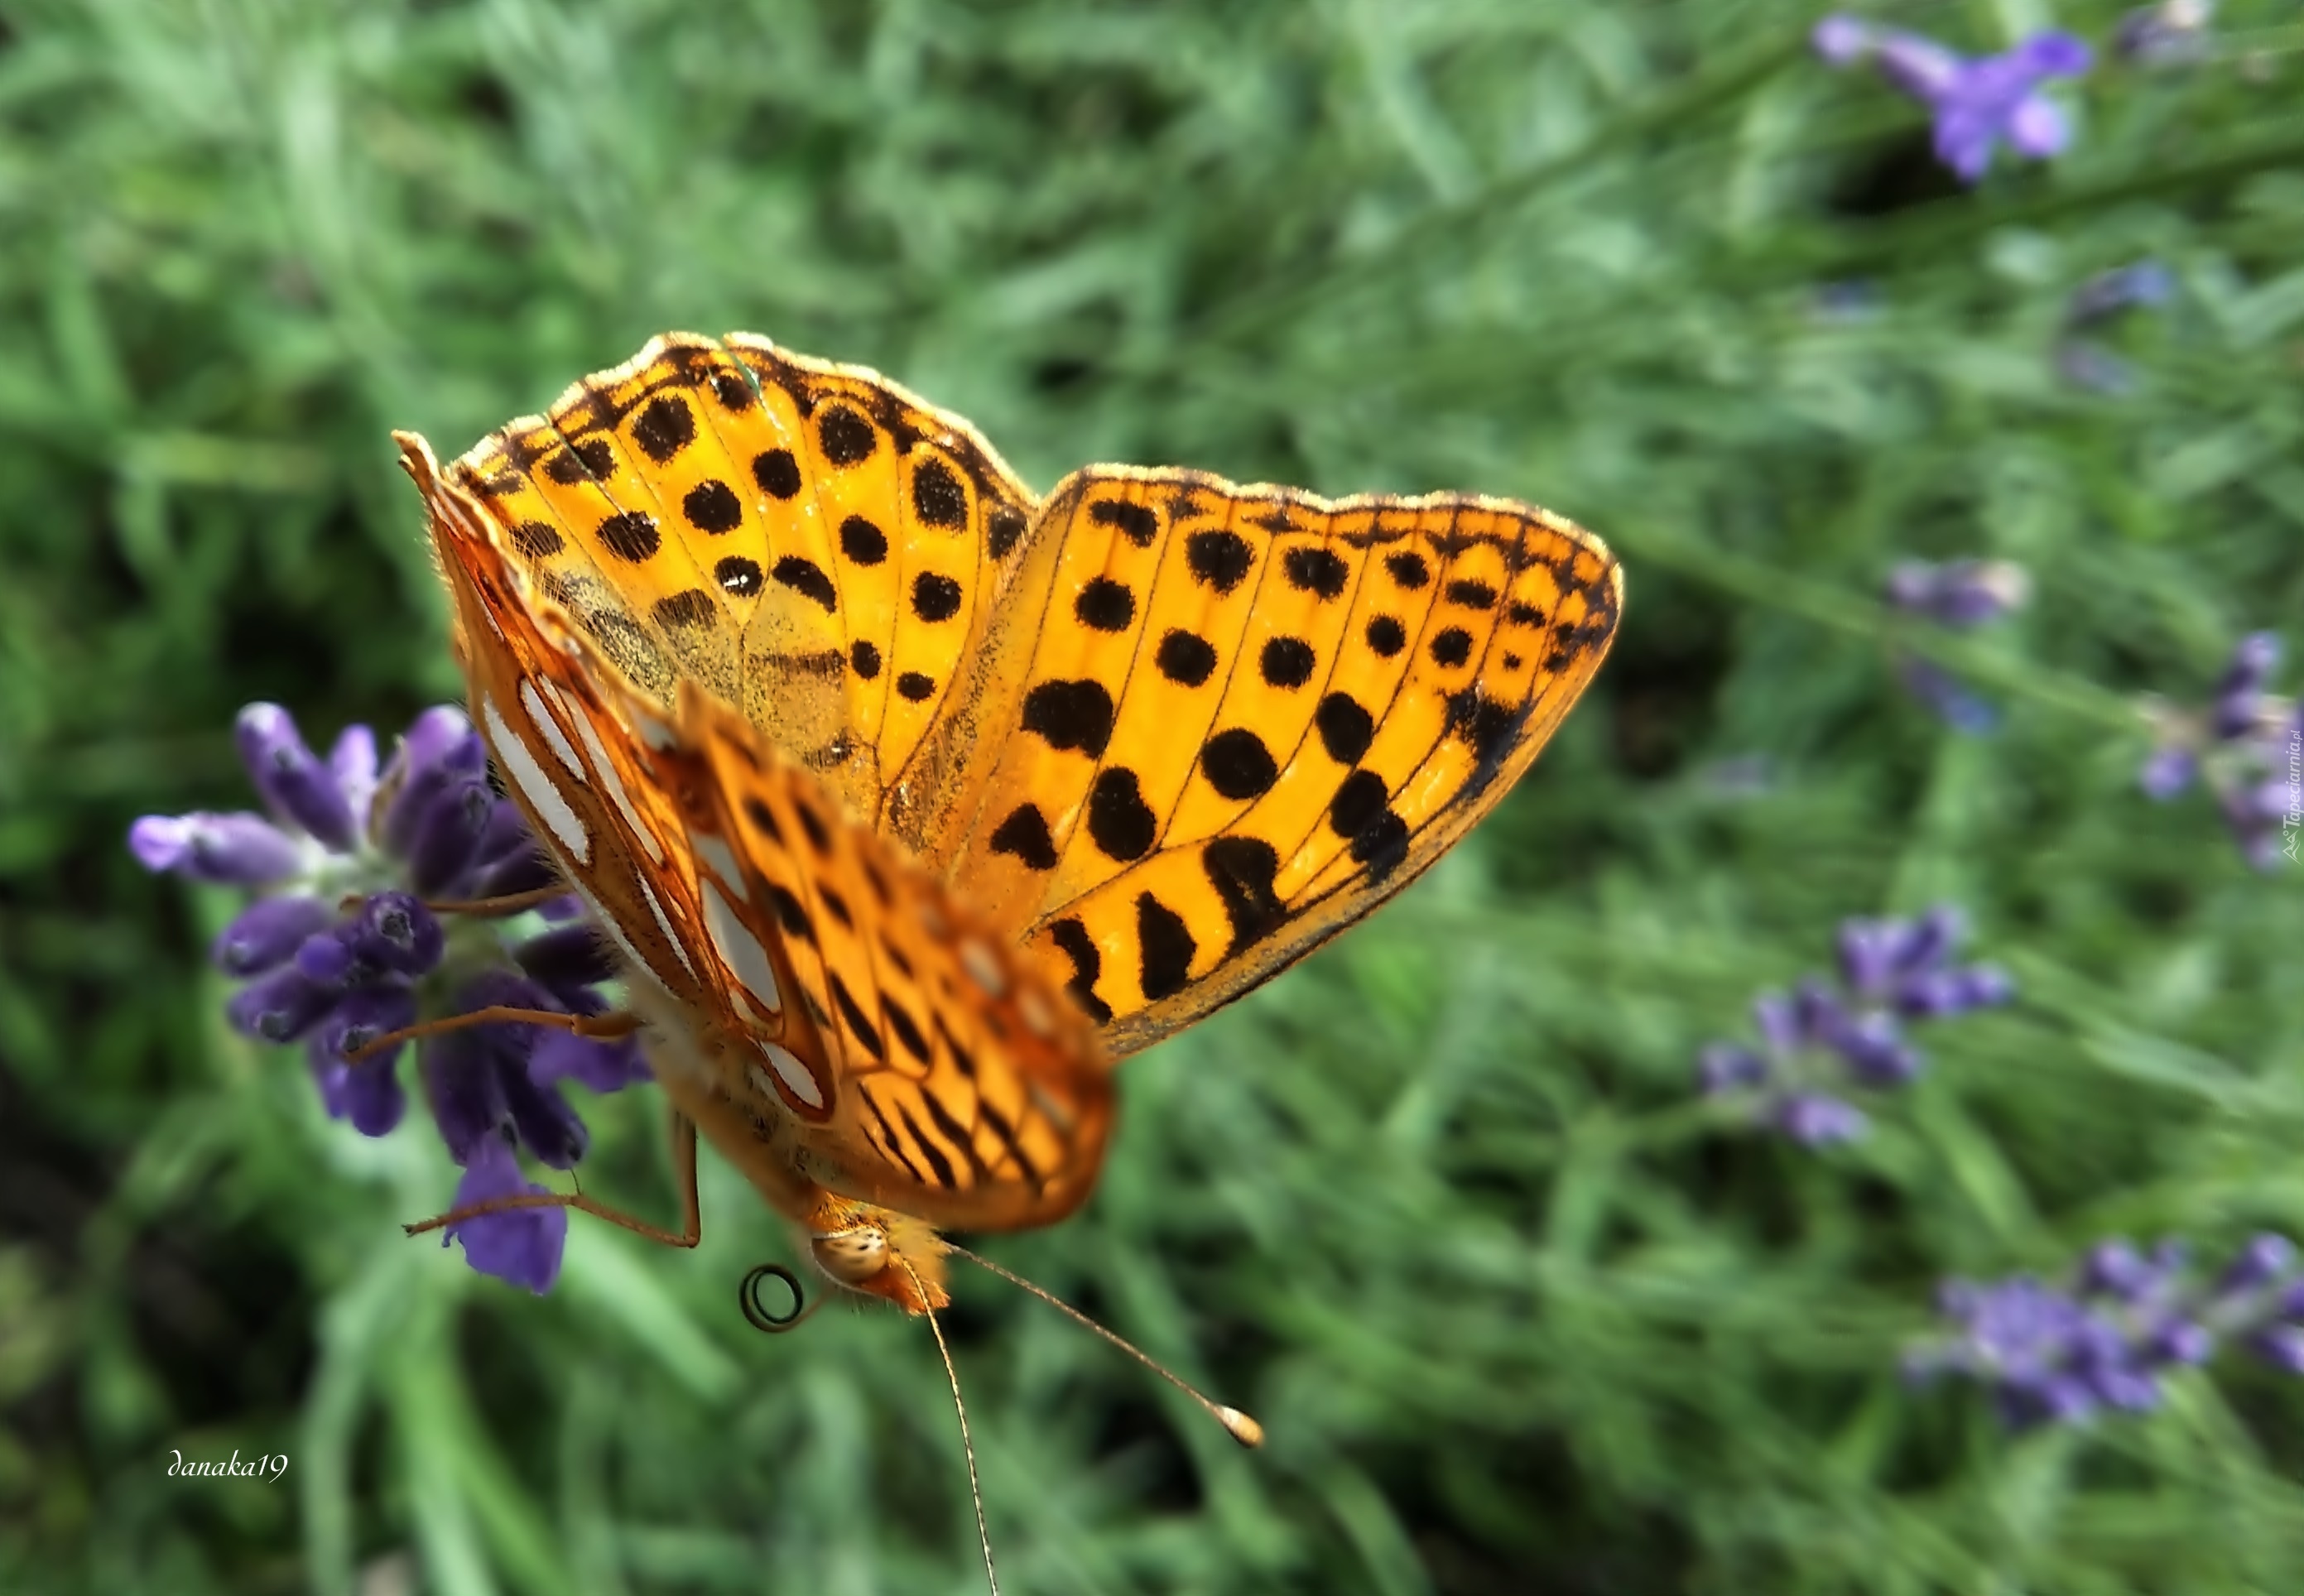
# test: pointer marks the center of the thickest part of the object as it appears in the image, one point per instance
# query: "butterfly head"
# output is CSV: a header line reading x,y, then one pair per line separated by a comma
x,y
880,1252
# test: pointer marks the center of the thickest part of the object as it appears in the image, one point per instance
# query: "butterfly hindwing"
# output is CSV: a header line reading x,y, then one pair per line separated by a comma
x,y
856,1022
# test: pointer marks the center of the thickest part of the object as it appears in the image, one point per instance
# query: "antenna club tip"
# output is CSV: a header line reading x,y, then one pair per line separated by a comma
x,y
1244,1430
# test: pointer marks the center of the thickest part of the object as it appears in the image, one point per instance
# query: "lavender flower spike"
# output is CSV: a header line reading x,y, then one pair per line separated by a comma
x,y
1820,1042
2062,1354
1978,104
343,951
2246,744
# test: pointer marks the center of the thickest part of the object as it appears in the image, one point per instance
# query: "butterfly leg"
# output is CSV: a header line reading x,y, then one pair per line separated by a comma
x,y
684,1169
580,1025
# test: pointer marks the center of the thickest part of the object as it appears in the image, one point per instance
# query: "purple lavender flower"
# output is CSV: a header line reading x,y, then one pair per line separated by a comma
x,y
2173,33
1978,104
1958,594
1819,1041
2246,744
2064,1354
340,950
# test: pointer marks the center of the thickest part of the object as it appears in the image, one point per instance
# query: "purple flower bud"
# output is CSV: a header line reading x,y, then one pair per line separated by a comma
x,y
526,870
2107,293
368,1095
1812,1120
1944,696
2254,659
2180,1341
523,1245
327,956
547,1126
2132,1390
267,932
441,749
1778,1022
1722,1067
362,1016
2167,773
571,957
279,1006
2265,1258
1818,1015
1869,953
1840,39
293,781
2282,1346
447,834
602,1066
241,849
2115,1268
465,1089
352,763
1874,1050
1920,67
394,932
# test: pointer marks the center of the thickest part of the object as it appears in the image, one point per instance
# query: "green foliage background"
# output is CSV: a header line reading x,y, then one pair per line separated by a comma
x,y
1438,1206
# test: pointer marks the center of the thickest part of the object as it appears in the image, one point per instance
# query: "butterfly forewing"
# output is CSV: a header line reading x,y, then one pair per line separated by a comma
x,y
1249,715
858,1023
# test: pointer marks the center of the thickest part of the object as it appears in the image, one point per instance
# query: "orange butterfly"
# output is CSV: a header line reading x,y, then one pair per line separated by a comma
x,y
915,800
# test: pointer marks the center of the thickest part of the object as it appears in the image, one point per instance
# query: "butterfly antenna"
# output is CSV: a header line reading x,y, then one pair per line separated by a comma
x,y
951,1378
1236,1424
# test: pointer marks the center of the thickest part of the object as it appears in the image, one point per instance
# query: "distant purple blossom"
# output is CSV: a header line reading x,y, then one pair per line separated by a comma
x,y
1957,594
2054,1353
340,948
1978,104
2246,744
1820,1041
2173,33
2082,362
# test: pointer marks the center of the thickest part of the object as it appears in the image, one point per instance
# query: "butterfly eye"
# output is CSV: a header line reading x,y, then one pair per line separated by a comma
x,y
851,1256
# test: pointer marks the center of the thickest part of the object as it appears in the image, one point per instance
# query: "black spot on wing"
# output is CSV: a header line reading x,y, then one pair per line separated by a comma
x,y
1320,571
712,506
1138,522
1219,559
1120,823
663,428
1287,661
1071,714
804,577
1106,605
691,606
863,542
777,473
1087,964
846,437
1241,869
1025,834
934,597
538,540
1185,658
631,534
1238,764
937,497
1165,948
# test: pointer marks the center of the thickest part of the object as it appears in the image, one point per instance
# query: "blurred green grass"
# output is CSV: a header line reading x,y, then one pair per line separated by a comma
x,y
1437,1206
